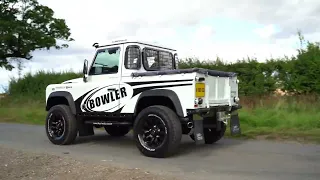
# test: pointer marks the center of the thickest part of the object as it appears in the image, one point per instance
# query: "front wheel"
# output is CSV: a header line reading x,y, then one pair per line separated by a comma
x,y
157,131
61,125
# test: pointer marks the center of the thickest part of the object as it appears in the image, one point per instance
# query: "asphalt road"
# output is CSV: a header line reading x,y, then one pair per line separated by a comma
x,y
228,159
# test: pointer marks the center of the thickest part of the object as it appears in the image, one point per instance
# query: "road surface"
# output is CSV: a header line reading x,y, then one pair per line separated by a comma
x,y
228,159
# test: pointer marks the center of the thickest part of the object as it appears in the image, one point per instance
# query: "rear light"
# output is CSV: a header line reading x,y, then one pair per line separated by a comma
x,y
200,79
200,101
197,102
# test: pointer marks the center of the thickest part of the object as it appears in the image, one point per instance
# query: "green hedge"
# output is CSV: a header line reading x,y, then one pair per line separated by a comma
x,y
299,74
34,85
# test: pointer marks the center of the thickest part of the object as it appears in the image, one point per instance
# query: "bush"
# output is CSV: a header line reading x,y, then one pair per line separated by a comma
x,y
34,86
299,75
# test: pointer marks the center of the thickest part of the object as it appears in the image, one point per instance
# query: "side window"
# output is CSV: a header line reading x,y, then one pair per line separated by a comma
x,y
166,60
158,60
150,61
106,61
132,57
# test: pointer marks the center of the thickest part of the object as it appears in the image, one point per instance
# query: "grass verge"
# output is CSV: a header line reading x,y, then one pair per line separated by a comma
x,y
22,110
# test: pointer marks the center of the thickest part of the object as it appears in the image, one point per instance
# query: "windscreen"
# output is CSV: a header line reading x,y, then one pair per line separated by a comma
x,y
106,61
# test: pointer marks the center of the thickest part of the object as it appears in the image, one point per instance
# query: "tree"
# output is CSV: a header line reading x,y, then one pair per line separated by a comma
x,y
25,26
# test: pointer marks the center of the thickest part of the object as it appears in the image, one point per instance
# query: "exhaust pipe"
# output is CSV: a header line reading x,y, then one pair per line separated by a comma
x,y
190,125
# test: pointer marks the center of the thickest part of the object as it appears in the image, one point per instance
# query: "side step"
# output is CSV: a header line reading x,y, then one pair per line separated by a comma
x,y
109,123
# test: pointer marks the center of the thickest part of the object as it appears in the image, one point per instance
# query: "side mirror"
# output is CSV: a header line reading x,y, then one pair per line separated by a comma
x,y
176,60
85,70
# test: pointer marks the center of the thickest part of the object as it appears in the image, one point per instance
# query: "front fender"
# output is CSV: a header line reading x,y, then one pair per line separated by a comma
x,y
62,94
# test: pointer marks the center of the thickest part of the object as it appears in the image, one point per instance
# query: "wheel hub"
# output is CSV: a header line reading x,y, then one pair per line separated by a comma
x,y
154,132
56,125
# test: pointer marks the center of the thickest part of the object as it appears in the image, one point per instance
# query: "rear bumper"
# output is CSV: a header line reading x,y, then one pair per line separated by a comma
x,y
203,111
197,116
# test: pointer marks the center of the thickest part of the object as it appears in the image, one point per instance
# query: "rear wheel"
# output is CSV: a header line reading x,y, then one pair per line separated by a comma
x,y
61,125
211,135
157,131
117,130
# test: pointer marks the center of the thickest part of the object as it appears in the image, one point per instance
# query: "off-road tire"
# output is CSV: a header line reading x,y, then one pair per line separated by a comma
x,y
117,131
172,138
211,135
70,130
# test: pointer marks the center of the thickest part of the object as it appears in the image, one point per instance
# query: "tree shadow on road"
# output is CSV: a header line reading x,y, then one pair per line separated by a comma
x,y
187,146
105,139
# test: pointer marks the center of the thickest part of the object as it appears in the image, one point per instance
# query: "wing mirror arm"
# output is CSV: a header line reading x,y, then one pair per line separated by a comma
x,y
85,71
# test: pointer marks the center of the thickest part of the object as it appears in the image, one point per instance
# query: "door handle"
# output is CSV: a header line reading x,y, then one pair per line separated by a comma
x,y
111,89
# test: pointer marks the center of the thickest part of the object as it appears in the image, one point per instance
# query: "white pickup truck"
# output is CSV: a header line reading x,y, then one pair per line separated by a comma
x,y
136,85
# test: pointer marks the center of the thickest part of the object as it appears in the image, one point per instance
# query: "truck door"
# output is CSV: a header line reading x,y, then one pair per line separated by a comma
x,y
103,92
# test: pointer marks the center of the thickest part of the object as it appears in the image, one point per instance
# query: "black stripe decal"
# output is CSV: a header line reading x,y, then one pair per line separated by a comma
x,y
80,98
86,101
78,101
139,90
135,91
151,82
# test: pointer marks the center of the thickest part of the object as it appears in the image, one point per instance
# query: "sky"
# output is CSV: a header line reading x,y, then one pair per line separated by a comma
x,y
230,29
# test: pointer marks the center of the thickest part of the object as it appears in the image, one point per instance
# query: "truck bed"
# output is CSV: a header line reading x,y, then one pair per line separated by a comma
x,y
221,86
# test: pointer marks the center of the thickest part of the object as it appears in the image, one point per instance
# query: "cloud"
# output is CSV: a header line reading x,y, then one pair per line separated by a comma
x,y
71,59
109,19
266,31
203,32
186,25
235,51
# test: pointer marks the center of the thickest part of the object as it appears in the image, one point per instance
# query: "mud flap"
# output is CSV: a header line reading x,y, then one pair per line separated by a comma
x,y
85,129
235,124
198,129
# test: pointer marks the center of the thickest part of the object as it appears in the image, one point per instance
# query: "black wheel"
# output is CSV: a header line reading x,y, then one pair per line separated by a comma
x,y
117,130
157,131
61,125
211,135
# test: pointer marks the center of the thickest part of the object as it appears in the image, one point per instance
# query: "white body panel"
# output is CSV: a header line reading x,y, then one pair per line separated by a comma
x,y
128,103
181,91
217,91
